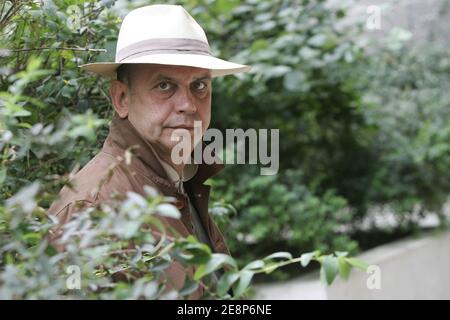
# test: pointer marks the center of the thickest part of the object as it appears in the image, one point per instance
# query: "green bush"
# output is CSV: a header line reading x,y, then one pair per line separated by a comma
x,y
358,129
406,90
272,212
63,93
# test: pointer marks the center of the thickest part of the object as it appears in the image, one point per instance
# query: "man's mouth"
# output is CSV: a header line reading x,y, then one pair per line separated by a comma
x,y
186,127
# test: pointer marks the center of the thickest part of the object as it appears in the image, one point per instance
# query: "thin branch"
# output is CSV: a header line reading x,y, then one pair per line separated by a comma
x,y
57,48
3,8
8,15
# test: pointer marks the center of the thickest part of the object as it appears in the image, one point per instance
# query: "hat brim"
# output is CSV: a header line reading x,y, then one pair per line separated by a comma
x,y
217,66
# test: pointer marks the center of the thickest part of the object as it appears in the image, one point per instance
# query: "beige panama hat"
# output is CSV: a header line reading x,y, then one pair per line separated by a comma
x,y
164,34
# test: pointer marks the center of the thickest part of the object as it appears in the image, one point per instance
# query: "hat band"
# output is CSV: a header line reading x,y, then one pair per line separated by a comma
x,y
164,45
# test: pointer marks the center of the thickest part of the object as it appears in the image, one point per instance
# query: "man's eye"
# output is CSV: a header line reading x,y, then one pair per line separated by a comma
x,y
164,86
199,86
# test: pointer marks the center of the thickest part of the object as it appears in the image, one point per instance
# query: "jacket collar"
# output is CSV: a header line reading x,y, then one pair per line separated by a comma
x,y
189,171
122,135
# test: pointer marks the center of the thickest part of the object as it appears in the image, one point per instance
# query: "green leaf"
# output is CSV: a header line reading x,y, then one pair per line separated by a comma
x,y
215,262
226,6
259,44
168,210
344,268
3,174
22,113
357,263
257,264
150,290
305,258
226,281
294,80
33,63
197,252
329,269
67,54
245,277
32,238
279,255
318,40
341,253
189,287
270,267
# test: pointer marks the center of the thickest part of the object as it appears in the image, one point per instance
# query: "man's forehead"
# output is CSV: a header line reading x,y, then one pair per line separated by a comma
x,y
180,73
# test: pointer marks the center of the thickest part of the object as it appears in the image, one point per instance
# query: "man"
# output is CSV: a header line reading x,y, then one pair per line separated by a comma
x,y
163,72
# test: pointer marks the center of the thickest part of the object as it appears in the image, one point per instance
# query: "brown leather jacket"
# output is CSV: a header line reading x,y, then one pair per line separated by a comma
x,y
144,169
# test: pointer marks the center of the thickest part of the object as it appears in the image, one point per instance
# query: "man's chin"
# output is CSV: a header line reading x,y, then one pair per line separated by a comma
x,y
179,148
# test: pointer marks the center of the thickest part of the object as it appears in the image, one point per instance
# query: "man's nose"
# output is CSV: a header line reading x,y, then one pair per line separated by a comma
x,y
185,103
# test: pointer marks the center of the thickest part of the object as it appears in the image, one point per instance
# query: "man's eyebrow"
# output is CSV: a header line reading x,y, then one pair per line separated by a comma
x,y
203,77
163,77
160,77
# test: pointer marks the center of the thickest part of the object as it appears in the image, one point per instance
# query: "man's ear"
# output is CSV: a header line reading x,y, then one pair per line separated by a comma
x,y
120,97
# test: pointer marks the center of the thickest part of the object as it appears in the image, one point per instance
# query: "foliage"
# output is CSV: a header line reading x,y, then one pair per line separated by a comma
x,y
39,139
406,88
357,129
97,244
63,92
291,216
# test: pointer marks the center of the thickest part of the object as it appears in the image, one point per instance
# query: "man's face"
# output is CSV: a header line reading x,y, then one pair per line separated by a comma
x,y
165,98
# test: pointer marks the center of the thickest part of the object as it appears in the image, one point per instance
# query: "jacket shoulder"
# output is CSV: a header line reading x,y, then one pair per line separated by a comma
x,y
101,178
86,184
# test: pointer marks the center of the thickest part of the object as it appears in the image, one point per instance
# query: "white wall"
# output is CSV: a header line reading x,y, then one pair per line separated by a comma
x,y
409,269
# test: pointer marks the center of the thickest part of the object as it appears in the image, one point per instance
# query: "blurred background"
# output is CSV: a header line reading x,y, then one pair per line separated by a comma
x,y
358,89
